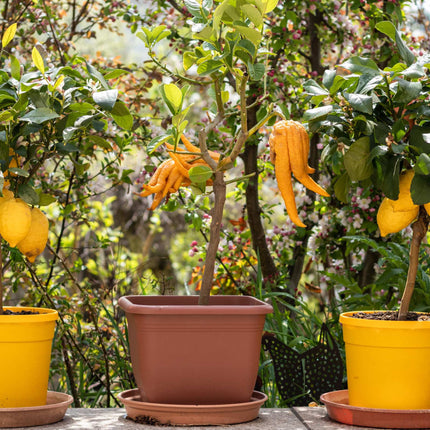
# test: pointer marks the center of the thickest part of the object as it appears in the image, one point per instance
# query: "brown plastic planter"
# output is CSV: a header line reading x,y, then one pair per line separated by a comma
x,y
183,353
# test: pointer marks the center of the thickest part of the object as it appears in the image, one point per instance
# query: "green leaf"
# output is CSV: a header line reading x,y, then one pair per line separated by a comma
x,y
253,14
361,65
360,102
248,33
94,73
341,187
209,66
422,166
157,141
19,172
256,71
388,167
100,142
8,35
357,160
15,68
188,60
420,189
313,88
407,91
404,51
45,199
414,71
200,174
40,115
328,78
122,116
247,46
113,74
387,28
173,97
319,112
106,99
28,194
194,8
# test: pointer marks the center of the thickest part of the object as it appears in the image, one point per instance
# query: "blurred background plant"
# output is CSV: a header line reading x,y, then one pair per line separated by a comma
x,y
103,240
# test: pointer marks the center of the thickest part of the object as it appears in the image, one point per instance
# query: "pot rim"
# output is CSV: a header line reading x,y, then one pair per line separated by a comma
x,y
176,305
43,314
346,318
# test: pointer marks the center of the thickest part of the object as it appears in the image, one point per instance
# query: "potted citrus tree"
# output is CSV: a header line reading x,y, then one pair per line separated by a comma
x,y
49,117
202,350
376,121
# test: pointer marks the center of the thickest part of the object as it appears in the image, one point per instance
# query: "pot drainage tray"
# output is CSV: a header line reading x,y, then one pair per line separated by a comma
x,y
167,414
54,411
339,409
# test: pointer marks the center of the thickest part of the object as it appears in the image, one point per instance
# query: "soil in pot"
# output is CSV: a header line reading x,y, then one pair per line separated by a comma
x,y
391,316
23,312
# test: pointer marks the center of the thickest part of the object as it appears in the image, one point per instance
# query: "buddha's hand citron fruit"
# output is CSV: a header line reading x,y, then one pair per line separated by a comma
x,y
15,220
35,242
390,221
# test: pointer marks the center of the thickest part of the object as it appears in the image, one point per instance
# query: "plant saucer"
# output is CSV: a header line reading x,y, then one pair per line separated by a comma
x,y
339,409
54,411
169,414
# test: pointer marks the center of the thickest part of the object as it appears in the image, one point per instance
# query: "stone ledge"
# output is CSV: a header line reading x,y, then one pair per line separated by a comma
x,y
298,418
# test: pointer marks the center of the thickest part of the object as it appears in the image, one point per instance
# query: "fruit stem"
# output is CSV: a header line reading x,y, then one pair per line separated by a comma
x,y
419,229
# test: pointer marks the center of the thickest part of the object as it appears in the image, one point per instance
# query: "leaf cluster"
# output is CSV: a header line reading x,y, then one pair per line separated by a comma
x,y
376,121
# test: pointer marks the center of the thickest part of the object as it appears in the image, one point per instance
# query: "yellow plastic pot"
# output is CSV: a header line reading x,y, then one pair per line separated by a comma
x,y
387,363
25,355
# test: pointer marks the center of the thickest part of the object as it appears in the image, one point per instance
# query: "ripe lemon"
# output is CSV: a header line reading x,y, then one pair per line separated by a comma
x,y
7,195
34,243
390,221
15,220
404,202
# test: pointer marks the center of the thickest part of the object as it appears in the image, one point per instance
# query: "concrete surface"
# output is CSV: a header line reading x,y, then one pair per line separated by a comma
x,y
298,418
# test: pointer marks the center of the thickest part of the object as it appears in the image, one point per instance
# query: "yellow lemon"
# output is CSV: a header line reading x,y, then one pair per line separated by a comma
x,y
404,202
390,221
15,220
34,243
427,207
7,195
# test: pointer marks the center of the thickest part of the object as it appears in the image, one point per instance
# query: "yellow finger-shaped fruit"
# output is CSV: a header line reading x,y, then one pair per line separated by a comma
x,y
404,202
390,221
35,242
285,185
157,200
15,220
171,180
192,148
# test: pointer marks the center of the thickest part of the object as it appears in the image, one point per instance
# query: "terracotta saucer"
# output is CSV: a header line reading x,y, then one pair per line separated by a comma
x,y
338,409
52,412
158,413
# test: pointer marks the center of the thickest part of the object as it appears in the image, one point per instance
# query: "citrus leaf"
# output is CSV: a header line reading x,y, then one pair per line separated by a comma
x,y
40,115
200,174
357,161
388,28
173,97
38,60
106,99
8,35
122,116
